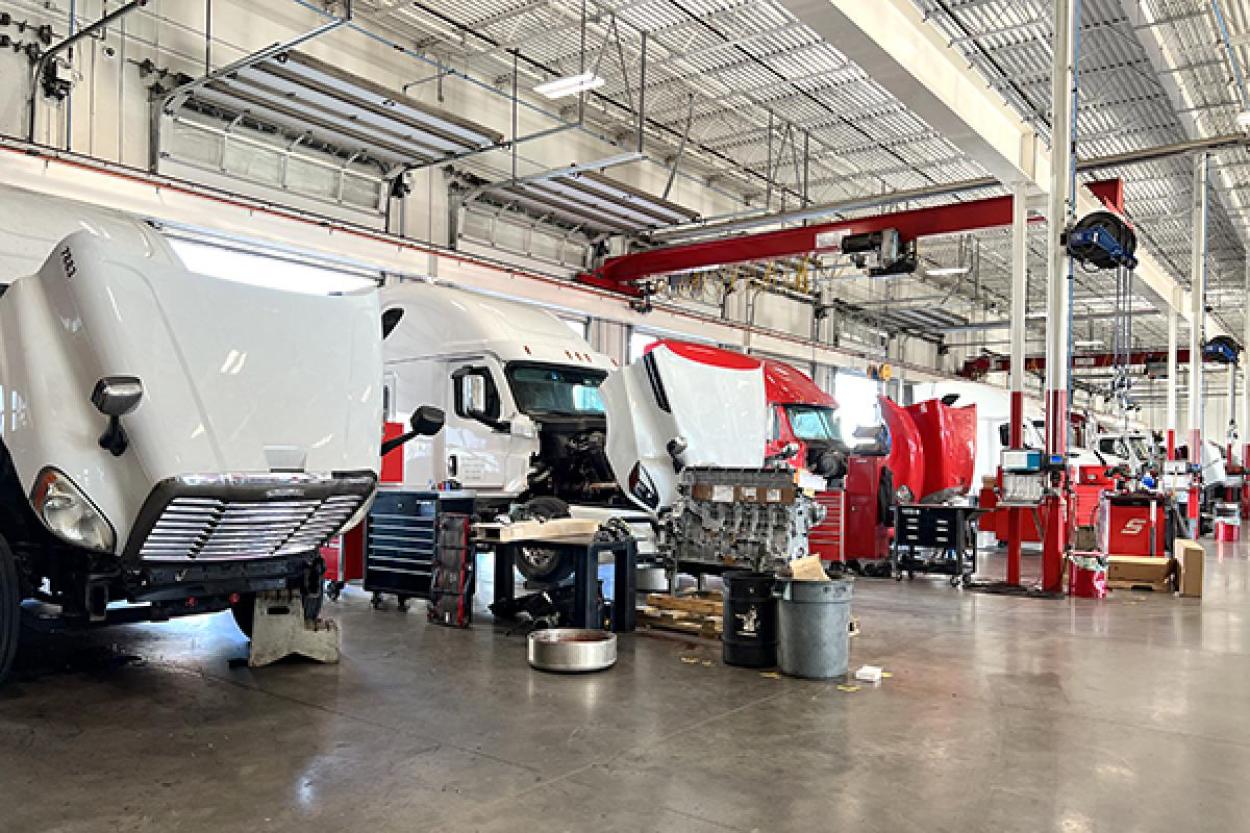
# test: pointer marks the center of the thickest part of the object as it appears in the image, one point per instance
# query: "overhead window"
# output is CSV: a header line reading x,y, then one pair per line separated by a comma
x,y
265,270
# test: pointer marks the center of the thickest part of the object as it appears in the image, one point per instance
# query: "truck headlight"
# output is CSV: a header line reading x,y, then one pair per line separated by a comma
x,y
69,515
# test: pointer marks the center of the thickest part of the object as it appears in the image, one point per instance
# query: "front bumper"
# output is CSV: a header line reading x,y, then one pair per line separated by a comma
x,y
204,520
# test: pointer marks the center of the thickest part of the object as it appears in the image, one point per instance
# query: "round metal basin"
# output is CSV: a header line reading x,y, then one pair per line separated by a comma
x,y
572,650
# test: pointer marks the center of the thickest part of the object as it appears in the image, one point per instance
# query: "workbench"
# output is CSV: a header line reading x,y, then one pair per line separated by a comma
x,y
585,550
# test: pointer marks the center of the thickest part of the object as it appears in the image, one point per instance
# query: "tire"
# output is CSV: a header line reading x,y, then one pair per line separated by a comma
x,y
541,565
244,611
10,609
312,595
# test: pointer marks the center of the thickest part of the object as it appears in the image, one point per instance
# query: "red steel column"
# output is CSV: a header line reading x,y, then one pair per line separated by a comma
x,y
1198,281
1019,300
1058,299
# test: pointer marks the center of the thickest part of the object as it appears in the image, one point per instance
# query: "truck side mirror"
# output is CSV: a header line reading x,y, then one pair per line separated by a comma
x,y
476,397
116,396
473,395
425,421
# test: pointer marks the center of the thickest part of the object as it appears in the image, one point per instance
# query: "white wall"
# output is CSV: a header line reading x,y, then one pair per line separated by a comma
x,y
107,118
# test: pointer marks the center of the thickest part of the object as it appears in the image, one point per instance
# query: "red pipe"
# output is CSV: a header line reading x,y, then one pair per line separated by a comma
x,y
1015,517
1055,540
1195,489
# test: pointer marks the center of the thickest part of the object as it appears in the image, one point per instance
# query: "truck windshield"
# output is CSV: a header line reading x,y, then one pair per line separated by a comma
x,y
812,422
551,389
1142,447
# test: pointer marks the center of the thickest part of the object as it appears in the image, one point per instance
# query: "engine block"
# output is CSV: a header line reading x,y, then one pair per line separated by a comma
x,y
748,517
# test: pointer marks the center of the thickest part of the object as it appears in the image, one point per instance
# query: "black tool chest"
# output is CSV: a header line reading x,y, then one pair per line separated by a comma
x,y
401,541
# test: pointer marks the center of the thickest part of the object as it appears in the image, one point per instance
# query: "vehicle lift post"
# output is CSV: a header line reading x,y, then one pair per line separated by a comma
x,y
1059,294
1019,288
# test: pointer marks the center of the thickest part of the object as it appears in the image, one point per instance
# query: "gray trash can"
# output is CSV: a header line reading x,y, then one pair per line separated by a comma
x,y
814,619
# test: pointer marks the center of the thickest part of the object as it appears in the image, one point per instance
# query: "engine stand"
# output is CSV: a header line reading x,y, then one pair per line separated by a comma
x,y
280,630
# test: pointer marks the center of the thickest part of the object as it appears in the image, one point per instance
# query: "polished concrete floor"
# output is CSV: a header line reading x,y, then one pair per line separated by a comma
x,y
1002,714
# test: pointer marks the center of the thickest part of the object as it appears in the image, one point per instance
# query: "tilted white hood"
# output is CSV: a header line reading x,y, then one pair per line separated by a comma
x,y
719,413
237,378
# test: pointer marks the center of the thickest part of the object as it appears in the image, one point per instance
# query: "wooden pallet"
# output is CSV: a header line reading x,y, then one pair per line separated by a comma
x,y
697,614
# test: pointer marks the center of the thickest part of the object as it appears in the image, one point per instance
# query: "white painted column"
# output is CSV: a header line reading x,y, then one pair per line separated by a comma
x,y
1019,298
1172,381
1197,282
1058,299
1197,289
1244,425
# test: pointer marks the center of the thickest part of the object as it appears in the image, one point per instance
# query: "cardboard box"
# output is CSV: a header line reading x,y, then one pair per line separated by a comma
x,y
1126,571
1190,561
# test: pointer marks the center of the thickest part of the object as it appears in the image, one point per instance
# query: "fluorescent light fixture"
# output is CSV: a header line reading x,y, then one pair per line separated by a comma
x,y
1088,342
569,85
944,271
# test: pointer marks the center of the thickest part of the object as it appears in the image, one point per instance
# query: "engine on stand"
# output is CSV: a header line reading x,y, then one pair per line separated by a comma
x,y
738,517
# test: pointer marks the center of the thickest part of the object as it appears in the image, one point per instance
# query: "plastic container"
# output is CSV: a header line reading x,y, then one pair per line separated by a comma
x,y
749,637
814,620
1086,578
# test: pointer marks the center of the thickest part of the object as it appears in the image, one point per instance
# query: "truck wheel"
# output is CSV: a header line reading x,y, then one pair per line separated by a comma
x,y
244,611
536,563
10,609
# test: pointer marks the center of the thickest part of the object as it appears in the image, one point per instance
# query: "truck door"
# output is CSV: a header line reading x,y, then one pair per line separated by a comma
x,y
477,438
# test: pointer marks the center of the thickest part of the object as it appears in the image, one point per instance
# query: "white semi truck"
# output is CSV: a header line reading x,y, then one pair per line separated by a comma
x,y
525,422
171,443
539,422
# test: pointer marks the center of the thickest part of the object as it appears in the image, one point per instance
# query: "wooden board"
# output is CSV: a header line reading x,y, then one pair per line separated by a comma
x,y
554,529
698,614
708,607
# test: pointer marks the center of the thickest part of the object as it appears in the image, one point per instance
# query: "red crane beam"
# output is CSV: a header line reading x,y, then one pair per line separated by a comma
x,y
977,367
620,273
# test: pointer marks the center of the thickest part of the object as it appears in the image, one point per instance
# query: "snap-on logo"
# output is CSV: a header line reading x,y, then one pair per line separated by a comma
x,y
67,261
284,492
1134,527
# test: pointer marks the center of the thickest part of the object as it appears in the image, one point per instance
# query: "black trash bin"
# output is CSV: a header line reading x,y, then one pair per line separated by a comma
x,y
750,628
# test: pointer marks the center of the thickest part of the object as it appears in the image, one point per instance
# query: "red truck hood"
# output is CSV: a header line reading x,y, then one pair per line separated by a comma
x,y
933,447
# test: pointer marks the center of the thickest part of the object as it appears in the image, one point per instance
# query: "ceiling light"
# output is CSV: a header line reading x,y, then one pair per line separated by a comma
x,y
944,271
1088,342
569,85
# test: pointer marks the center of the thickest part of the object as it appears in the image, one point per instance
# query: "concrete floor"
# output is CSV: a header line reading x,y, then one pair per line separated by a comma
x,y
1003,714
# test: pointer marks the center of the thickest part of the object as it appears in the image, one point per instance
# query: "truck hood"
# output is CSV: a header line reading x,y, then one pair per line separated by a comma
x,y
719,413
237,379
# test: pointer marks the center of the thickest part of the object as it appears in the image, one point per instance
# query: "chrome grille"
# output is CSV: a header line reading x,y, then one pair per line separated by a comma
x,y
210,528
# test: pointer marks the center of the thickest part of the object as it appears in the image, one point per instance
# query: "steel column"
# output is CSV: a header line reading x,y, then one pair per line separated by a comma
x,y
1245,396
1058,292
1198,291
1173,370
1019,324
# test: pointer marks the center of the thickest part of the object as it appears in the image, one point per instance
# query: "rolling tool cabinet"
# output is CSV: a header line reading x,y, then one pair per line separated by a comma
x,y
401,542
935,539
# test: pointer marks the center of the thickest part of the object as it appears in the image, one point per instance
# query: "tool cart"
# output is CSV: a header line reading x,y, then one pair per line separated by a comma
x,y
401,542
935,538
